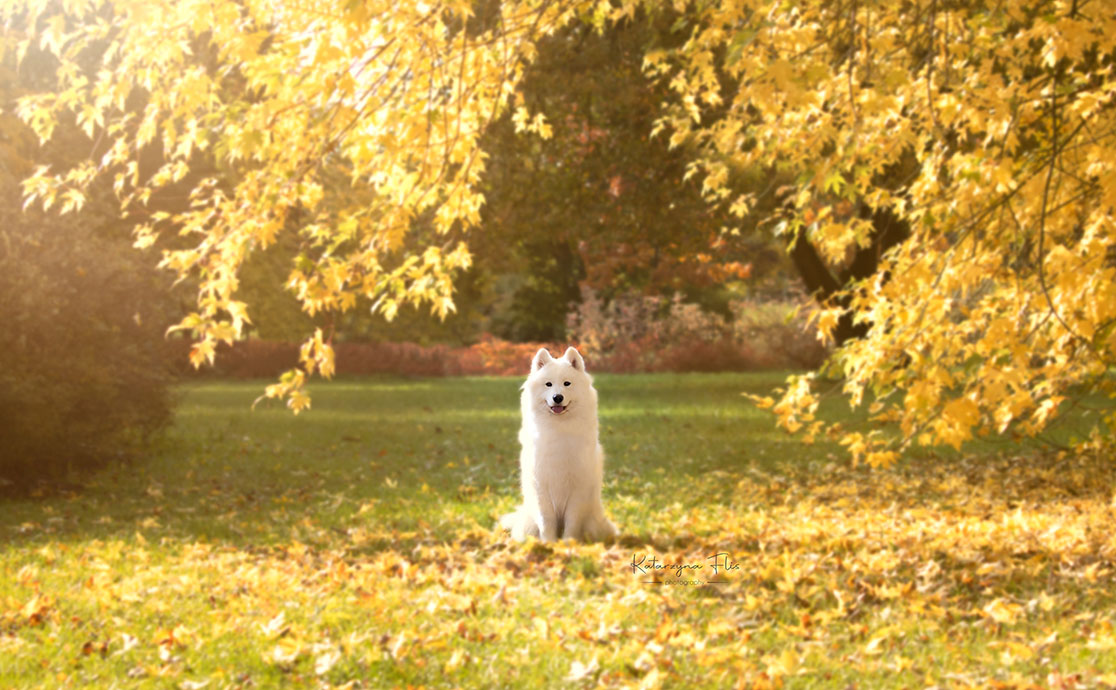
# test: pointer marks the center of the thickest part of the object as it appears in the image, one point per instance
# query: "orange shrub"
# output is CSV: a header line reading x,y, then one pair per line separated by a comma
x,y
495,357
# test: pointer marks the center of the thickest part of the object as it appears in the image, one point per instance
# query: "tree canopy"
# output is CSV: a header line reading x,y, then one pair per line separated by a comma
x,y
294,104
988,131
985,132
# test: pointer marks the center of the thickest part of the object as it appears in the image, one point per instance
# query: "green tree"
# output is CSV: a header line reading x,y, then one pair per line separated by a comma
x,y
601,202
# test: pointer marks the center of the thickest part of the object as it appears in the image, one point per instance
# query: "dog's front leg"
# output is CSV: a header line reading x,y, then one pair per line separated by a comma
x,y
548,522
578,510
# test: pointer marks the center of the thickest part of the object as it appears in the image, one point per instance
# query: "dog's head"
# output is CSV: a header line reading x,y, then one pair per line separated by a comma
x,y
559,386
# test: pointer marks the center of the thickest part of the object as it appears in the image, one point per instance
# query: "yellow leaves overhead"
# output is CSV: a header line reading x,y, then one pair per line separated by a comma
x,y
990,131
284,101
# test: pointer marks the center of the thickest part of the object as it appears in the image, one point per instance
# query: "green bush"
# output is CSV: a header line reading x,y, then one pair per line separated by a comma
x,y
84,377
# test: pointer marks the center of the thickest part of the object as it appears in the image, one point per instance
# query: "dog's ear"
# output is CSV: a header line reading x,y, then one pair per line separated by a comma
x,y
574,358
542,357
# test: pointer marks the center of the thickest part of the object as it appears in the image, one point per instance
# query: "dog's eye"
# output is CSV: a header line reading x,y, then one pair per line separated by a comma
x,y
566,383
549,384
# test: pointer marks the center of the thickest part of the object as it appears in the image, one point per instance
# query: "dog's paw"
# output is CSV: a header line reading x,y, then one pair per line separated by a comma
x,y
520,524
601,529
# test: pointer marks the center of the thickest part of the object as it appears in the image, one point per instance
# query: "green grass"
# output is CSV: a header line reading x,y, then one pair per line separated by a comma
x,y
354,544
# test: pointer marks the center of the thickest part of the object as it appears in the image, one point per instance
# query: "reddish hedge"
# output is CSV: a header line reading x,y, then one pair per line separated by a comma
x,y
493,357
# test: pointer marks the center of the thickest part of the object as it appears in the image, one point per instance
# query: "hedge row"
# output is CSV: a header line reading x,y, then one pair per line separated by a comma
x,y
493,357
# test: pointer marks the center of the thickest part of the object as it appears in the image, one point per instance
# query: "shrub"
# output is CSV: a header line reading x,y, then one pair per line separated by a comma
x,y
84,376
394,358
647,333
494,357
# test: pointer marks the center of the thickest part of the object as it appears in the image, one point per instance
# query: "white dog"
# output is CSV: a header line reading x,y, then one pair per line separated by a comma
x,y
562,462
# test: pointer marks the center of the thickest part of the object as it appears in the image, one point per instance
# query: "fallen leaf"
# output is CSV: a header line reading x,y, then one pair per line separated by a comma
x,y
580,671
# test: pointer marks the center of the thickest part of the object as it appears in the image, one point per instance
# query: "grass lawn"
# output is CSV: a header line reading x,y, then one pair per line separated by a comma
x,y
353,546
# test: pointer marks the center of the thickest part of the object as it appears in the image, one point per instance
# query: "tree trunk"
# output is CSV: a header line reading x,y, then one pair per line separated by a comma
x,y
888,231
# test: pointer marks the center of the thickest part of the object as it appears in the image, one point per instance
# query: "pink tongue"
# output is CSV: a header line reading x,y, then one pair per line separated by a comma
x,y
556,408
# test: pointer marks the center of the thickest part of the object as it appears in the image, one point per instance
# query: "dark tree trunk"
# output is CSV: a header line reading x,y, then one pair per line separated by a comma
x,y
888,231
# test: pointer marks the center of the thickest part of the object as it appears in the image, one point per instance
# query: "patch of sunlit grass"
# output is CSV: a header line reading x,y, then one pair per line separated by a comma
x,y
353,545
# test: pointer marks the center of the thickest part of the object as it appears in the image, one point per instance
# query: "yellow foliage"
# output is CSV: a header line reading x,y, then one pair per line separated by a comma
x,y
286,99
990,131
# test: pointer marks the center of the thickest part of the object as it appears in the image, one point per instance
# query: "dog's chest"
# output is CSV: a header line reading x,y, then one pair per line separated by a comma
x,y
558,454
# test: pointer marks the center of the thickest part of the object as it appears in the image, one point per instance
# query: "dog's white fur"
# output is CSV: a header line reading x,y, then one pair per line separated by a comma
x,y
562,462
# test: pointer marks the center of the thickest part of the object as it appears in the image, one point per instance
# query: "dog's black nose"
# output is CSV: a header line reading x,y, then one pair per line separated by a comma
x,y
558,399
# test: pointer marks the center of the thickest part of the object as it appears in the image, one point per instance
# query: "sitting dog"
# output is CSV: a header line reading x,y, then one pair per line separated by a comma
x,y
562,461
